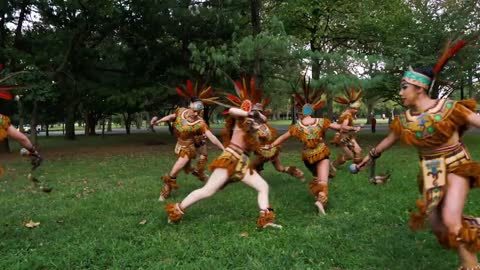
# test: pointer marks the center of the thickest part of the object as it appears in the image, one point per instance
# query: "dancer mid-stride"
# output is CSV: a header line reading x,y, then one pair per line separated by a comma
x,y
266,135
350,149
310,131
233,165
187,125
435,128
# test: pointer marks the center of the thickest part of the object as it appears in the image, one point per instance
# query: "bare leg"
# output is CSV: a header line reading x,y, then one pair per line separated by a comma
x,y
178,166
267,216
452,210
256,182
167,188
292,170
217,180
322,178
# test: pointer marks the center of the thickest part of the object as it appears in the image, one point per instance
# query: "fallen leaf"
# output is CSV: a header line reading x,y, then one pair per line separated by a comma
x,y
31,224
143,222
244,234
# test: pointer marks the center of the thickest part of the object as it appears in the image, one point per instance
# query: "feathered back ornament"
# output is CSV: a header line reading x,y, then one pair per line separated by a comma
x,y
451,48
311,100
197,91
351,98
6,88
247,96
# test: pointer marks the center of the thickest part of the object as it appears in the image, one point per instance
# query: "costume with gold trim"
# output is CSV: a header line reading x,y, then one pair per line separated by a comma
x,y
186,131
267,135
431,130
311,136
4,124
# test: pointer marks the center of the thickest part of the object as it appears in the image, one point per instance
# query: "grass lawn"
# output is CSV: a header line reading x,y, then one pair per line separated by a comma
x,y
106,188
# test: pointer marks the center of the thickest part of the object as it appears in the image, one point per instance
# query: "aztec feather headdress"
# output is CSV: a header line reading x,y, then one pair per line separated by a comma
x,y
6,88
418,79
248,97
311,99
352,98
197,91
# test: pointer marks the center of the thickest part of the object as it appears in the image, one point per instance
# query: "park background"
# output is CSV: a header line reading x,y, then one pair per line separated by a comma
x,y
99,70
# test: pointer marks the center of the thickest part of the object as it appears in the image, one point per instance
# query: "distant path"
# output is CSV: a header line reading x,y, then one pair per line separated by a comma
x,y
381,129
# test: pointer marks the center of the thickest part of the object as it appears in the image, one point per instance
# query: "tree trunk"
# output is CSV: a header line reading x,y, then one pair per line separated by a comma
x,y
470,84
90,124
103,127
33,123
294,115
127,118
109,125
256,29
70,122
206,115
20,115
47,130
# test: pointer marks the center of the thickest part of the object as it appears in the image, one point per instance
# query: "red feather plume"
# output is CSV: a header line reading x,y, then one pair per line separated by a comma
x,y
6,95
449,51
190,88
181,93
234,99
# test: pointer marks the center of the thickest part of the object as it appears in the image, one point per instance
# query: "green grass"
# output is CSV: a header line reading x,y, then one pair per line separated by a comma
x,y
104,187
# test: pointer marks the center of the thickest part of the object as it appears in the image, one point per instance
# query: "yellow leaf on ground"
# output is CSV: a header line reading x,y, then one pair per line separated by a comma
x,y
143,222
31,224
244,234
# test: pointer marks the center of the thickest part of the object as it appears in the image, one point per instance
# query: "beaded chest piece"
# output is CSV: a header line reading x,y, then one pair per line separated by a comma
x,y
182,125
423,124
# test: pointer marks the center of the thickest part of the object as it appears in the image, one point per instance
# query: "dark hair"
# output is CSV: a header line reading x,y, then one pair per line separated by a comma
x,y
194,99
427,71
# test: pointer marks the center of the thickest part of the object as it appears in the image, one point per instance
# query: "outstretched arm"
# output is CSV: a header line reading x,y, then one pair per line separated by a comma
x,y
236,112
474,120
339,127
214,139
281,139
19,137
168,118
381,147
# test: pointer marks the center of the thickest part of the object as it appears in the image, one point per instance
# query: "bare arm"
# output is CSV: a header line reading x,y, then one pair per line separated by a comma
x,y
214,139
281,139
474,120
19,137
381,147
168,118
339,127
344,126
236,112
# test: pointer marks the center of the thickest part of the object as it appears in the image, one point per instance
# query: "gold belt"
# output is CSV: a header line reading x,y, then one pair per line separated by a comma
x,y
452,154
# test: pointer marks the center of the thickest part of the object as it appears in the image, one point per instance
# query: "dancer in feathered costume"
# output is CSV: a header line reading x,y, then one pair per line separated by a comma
x,y
188,126
233,165
350,149
266,135
310,131
6,128
435,128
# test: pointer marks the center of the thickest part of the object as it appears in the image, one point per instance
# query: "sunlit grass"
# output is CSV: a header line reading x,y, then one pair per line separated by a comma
x,y
92,217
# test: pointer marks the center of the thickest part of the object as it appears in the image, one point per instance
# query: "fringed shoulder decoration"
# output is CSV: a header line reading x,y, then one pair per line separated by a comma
x,y
227,132
345,116
396,126
4,124
435,126
273,131
326,124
